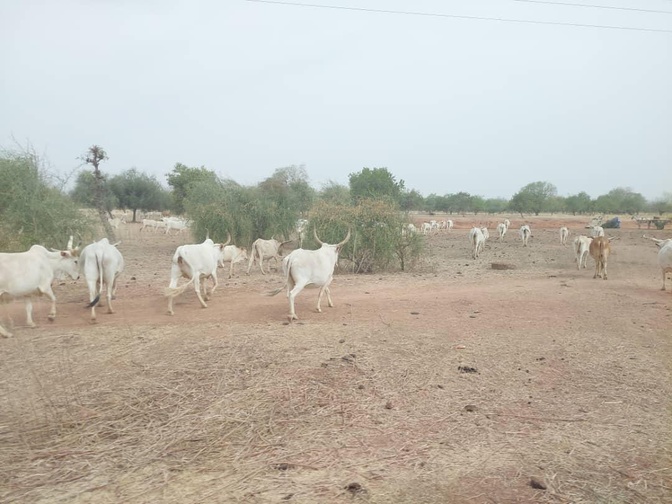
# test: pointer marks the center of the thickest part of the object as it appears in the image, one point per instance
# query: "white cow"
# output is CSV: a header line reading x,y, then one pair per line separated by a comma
x,y
115,222
410,229
195,262
477,241
303,267
301,227
175,223
30,273
101,263
664,256
581,250
597,231
486,233
525,233
449,224
564,234
264,249
507,223
501,230
233,255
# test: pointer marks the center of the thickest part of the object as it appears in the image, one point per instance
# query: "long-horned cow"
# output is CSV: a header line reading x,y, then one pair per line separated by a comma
x,y
101,263
303,267
25,274
196,262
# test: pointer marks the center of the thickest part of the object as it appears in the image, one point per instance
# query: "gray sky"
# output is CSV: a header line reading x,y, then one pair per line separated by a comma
x,y
446,104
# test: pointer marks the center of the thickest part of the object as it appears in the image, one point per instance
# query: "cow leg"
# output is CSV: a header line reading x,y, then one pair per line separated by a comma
x,y
46,290
231,269
4,332
664,275
292,296
261,263
197,287
29,313
604,270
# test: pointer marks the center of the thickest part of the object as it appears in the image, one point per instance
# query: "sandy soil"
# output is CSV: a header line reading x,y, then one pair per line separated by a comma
x,y
450,383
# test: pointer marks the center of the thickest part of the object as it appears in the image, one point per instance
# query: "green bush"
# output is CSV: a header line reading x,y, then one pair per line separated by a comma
x,y
377,242
32,210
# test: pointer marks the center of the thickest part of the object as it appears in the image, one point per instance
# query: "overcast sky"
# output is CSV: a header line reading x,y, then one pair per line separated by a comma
x,y
446,104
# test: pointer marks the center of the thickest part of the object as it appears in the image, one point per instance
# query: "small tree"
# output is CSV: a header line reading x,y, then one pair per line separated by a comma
x,y
533,197
182,178
580,203
84,192
94,157
335,193
138,191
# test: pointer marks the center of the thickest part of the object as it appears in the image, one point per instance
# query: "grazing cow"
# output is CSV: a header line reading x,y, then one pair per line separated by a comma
x,y
599,250
303,267
195,262
233,255
174,223
101,263
564,233
501,230
581,249
477,241
525,233
265,249
25,274
426,227
664,256
597,231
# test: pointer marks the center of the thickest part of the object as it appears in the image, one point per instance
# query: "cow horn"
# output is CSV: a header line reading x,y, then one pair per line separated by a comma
x,y
228,239
347,237
69,246
318,240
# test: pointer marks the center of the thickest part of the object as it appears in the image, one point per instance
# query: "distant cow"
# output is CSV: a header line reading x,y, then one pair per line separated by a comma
x,y
525,233
233,255
477,241
564,233
101,263
599,250
581,250
264,249
25,274
196,262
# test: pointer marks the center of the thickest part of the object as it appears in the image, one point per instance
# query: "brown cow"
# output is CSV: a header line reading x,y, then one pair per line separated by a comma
x,y
600,248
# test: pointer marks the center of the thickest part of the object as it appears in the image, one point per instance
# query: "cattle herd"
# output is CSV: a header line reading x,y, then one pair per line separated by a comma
x,y
26,274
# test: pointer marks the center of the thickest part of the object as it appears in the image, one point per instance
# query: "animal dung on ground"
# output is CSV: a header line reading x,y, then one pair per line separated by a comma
x,y
536,483
502,266
467,369
470,408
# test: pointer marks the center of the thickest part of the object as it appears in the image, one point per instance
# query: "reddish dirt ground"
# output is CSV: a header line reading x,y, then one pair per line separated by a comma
x,y
570,382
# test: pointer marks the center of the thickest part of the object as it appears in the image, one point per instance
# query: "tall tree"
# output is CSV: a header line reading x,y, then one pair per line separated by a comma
x,y
334,193
138,191
533,197
94,156
579,203
84,192
621,199
182,178
375,183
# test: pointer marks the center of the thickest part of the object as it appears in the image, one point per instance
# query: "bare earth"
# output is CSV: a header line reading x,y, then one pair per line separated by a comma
x,y
451,383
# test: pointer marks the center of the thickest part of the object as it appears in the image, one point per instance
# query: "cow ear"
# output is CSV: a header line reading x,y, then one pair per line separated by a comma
x,y
64,253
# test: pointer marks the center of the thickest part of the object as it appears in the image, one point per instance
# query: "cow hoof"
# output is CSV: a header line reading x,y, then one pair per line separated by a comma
x,y
6,334
292,318
51,317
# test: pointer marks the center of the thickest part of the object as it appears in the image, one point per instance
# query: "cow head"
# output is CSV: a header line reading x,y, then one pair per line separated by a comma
x,y
69,263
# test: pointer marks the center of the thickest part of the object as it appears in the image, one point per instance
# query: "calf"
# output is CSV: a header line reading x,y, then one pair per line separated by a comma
x,y
581,249
101,263
599,250
195,262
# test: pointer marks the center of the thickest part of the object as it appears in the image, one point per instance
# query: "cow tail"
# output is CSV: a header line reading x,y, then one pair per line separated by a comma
x,y
176,291
286,273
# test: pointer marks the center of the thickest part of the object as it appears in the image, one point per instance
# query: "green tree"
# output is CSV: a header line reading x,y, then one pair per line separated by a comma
x,y
375,183
335,193
290,189
412,200
138,191
84,192
94,156
31,209
182,178
663,204
533,197
580,203
495,205
620,200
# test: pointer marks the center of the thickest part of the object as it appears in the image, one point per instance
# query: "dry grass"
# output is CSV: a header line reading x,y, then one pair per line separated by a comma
x,y
207,412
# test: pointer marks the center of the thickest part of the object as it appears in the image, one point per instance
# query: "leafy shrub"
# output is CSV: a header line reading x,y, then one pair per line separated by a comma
x,y
32,210
377,242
